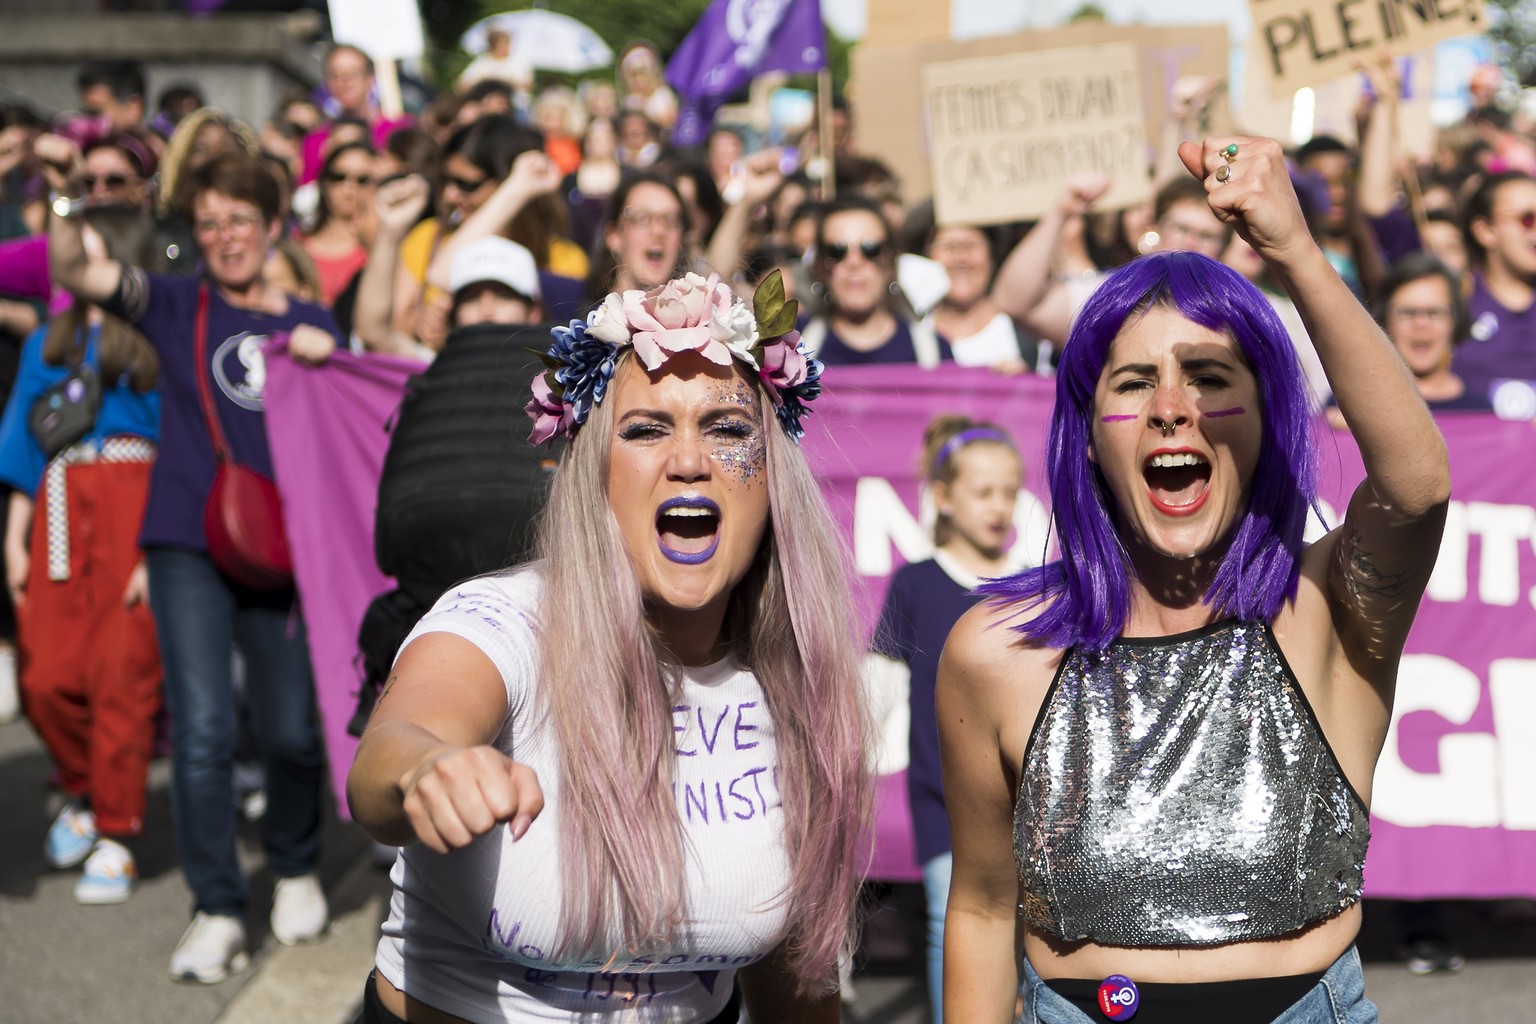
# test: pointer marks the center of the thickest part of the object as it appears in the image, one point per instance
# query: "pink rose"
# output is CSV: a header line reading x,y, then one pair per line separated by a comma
x,y
549,412
677,317
784,365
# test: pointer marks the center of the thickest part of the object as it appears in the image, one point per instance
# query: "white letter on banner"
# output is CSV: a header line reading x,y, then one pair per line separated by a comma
x,y
1031,532
1448,582
1512,684
881,519
1316,529
1502,528
1465,791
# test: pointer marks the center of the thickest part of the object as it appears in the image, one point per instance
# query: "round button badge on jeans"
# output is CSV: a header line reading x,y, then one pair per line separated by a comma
x,y
1118,997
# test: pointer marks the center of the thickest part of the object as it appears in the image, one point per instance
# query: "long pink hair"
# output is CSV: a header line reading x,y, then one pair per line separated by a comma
x,y
612,689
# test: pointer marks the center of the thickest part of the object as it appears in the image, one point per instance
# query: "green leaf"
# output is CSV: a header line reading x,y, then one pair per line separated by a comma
x,y
782,321
544,357
554,385
768,299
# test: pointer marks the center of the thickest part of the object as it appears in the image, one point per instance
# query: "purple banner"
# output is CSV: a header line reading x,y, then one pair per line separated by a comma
x,y
1454,802
733,42
326,428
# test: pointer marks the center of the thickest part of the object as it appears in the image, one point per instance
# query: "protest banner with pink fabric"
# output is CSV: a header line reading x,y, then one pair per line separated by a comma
x,y
1454,810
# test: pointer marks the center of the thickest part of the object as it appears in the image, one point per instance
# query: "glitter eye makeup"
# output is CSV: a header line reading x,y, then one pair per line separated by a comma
x,y
738,445
740,458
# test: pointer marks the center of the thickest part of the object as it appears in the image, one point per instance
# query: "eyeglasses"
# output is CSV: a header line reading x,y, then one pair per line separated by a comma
x,y
360,180
237,222
463,184
836,252
108,181
643,219
1525,218
1434,314
1174,229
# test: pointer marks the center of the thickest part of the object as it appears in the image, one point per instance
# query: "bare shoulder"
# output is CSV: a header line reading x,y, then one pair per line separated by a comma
x,y
989,665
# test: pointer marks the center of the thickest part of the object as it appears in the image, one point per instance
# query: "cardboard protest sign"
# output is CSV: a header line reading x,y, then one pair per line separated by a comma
x,y
906,21
1306,42
383,29
887,94
1005,133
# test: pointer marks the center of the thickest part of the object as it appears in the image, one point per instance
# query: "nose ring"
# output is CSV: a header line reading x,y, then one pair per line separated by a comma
x,y
1167,428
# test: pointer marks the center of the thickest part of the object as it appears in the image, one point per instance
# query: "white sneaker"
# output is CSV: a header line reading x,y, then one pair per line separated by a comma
x,y
299,912
212,947
109,875
10,697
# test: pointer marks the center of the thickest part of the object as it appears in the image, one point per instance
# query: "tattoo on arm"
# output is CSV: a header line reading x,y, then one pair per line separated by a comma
x,y
1363,578
389,684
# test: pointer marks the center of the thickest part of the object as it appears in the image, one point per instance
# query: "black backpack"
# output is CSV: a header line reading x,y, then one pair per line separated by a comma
x,y
461,485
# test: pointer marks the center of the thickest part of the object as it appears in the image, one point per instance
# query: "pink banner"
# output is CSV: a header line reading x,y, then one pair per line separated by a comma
x,y
1455,793
1454,810
326,428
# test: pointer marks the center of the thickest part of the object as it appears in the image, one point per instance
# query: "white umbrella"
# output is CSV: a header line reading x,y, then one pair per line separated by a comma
x,y
553,42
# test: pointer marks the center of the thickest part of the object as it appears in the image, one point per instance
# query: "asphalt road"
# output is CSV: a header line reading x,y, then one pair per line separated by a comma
x,y
65,964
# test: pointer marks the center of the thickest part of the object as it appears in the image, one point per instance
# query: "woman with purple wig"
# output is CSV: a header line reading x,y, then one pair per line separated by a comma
x,y
629,771
1158,750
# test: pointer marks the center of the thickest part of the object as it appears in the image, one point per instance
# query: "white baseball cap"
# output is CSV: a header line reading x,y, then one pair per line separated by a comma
x,y
495,259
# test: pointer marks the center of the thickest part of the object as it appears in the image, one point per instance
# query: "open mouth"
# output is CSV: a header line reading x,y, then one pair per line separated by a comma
x,y
688,529
1178,482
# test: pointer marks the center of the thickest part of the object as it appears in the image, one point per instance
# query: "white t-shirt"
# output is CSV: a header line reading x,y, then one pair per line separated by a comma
x,y
472,933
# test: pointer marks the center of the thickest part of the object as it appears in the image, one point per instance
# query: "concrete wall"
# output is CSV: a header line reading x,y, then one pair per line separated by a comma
x,y
243,63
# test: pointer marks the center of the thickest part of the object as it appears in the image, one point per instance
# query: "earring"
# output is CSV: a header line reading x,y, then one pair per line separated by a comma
x,y
894,288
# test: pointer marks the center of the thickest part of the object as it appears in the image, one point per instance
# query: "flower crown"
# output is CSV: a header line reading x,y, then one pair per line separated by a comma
x,y
687,314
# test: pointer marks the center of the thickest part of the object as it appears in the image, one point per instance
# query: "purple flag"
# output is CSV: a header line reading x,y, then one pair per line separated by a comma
x,y
734,41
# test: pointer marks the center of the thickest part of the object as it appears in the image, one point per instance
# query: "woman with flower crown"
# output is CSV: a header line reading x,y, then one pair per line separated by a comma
x,y
633,769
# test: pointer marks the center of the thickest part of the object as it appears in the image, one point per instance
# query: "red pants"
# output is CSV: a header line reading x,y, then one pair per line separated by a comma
x,y
89,667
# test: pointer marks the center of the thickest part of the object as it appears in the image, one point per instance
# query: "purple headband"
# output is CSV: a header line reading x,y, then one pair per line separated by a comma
x,y
964,438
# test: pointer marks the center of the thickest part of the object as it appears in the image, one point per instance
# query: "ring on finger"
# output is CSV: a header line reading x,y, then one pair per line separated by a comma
x,y
1223,172
1229,152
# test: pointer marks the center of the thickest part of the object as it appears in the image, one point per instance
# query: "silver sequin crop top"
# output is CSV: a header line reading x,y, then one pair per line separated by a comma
x,y
1178,791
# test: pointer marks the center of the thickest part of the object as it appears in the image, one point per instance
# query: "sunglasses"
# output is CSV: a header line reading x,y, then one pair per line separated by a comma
x,y
1526,219
360,180
91,181
836,252
462,184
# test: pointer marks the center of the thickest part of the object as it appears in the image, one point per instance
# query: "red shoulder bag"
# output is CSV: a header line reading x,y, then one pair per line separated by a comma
x,y
243,520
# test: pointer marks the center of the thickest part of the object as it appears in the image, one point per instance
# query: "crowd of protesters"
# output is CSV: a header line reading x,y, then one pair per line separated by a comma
x,y
132,238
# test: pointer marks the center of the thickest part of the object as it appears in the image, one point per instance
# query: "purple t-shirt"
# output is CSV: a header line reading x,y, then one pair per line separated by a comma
x,y
1498,359
184,468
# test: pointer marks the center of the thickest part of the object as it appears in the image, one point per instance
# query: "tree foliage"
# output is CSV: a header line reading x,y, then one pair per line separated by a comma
x,y
619,22
1512,28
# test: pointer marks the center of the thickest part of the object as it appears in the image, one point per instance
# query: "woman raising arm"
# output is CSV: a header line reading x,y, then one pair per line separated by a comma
x,y
1164,760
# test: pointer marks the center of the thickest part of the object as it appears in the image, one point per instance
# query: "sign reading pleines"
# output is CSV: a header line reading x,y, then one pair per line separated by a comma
x,y
1005,133
1307,42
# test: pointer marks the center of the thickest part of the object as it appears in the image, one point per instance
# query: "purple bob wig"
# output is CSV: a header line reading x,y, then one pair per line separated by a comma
x,y
1086,596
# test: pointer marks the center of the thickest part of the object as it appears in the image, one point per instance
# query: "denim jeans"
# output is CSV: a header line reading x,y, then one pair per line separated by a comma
x,y
936,874
1339,998
200,618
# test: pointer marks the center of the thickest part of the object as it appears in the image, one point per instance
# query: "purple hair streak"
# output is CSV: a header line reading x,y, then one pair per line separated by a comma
x,y
1086,595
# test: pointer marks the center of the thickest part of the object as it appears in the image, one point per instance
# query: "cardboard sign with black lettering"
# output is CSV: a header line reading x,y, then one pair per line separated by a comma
x,y
1005,133
1308,42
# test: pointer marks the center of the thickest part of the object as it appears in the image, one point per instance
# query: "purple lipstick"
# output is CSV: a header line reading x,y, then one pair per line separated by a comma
x,y
688,518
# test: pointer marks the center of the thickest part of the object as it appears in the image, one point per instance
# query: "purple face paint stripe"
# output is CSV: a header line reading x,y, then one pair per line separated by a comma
x,y
1236,410
1117,419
